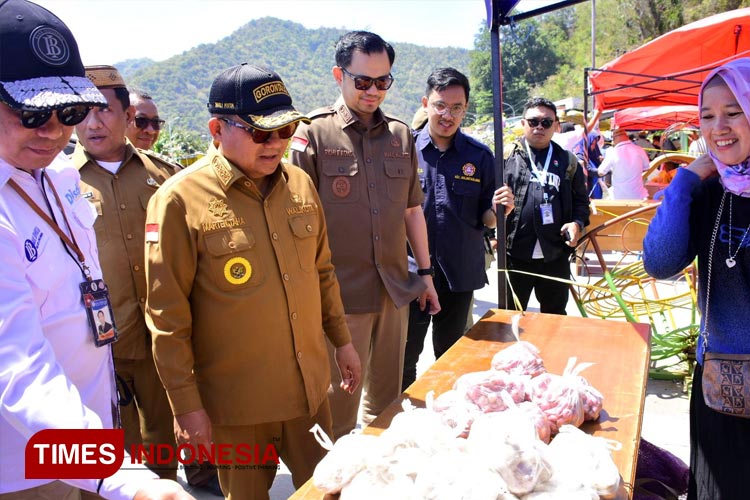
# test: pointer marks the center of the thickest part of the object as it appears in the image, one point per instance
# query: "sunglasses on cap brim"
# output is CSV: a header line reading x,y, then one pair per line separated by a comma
x,y
67,116
261,136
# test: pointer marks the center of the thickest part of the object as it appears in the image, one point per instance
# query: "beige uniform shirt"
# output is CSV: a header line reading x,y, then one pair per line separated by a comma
x,y
121,200
366,178
242,294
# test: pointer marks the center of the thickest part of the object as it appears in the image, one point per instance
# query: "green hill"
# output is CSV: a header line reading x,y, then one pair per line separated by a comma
x,y
303,57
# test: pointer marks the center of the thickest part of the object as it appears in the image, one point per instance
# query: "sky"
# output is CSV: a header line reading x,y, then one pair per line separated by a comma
x,y
110,31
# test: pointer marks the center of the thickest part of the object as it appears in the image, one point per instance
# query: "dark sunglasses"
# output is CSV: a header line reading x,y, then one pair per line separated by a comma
x,y
362,82
534,122
261,136
142,123
68,116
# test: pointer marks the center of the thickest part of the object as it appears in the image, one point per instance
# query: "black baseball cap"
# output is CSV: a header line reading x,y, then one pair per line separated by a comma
x,y
257,95
40,66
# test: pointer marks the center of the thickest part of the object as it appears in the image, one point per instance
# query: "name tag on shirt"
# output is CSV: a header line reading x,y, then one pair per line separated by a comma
x,y
546,210
99,312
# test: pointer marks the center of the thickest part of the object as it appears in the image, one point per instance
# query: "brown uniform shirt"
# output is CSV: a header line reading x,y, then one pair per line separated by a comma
x,y
121,200
242,293
366,178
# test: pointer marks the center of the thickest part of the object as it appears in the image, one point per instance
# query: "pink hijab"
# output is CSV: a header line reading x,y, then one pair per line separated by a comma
x,y
736,74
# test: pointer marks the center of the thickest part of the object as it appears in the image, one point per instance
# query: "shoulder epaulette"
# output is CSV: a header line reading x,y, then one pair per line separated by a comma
x,y
507,151
160,158
325,110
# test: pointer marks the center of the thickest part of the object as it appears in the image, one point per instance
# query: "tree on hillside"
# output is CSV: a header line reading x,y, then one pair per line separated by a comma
x,y
527,59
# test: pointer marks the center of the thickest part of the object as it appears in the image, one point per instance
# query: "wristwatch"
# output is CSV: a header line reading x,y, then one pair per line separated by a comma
x,y
429,271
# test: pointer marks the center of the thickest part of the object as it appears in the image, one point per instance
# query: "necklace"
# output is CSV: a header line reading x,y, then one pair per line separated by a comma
x,y
730,260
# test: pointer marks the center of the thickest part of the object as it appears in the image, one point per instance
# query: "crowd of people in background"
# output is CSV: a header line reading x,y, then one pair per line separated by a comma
x,y
249,298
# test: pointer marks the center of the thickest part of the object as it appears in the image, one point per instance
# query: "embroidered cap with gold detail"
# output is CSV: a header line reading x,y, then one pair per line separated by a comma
x,y
105,77
238,270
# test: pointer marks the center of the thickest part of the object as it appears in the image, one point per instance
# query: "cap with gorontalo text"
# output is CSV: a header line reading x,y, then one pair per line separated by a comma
x,y
40,66
256,95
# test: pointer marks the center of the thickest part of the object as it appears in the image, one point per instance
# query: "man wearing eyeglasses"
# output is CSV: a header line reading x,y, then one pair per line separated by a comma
x,y
364,165
118,180
143,130
53,372
551,208
457,175
242,291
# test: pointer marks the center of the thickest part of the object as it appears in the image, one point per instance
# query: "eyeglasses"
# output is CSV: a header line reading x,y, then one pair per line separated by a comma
x,y
142,123
68,116
362,82
535,122
456,111
261,136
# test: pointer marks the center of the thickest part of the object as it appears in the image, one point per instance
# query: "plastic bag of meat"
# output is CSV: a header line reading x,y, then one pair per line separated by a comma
x,y
566,398
581,458
344,459
591,399
458,475
455,411
417,428
377,482
521,358
535,414
507,443
484,388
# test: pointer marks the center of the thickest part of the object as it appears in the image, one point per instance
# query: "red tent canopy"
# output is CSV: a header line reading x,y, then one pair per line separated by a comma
x,y
669,70
654,118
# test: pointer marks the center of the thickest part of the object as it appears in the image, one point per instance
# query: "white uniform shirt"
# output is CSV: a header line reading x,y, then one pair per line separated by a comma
x,y
627,161
51,373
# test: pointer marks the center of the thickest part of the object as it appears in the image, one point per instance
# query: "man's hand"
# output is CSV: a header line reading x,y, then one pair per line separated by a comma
x,y
503,196
350,367
429,295
193,428
162,489
573,230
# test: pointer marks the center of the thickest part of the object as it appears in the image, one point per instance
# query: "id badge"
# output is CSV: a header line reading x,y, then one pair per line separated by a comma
x,y
547,217
99,311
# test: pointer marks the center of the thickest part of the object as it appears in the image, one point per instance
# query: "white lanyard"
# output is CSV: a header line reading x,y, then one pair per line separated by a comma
x,y
541,175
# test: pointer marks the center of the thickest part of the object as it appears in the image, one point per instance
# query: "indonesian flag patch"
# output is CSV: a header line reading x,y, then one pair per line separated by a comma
x,y
299,144
152,233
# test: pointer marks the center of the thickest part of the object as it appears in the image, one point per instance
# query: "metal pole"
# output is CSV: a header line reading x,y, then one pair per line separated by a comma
x,y
497,100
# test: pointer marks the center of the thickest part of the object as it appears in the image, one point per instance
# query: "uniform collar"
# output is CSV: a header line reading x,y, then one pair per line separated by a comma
x,y
349,118
423,139
81,157
227,173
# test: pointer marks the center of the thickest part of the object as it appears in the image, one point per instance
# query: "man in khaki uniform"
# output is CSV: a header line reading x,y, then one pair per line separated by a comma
x,y
242,290
144,129
364,165
119,180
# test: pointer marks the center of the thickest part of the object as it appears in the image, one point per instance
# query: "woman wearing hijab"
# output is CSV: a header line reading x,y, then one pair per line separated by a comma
x,y
706,213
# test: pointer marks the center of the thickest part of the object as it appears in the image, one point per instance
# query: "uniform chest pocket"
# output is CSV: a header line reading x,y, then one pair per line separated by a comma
x,y
100,226
340,181
234,260
397,175
305,229
467,200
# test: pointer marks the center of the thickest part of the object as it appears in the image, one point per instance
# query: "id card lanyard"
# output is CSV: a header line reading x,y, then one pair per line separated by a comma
x,y
94,293
541,175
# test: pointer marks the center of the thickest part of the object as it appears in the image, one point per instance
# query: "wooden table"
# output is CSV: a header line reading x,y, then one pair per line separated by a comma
x,y
620,351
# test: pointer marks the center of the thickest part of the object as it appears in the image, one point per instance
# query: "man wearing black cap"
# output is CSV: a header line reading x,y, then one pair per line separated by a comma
x,y
55,367
242,292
